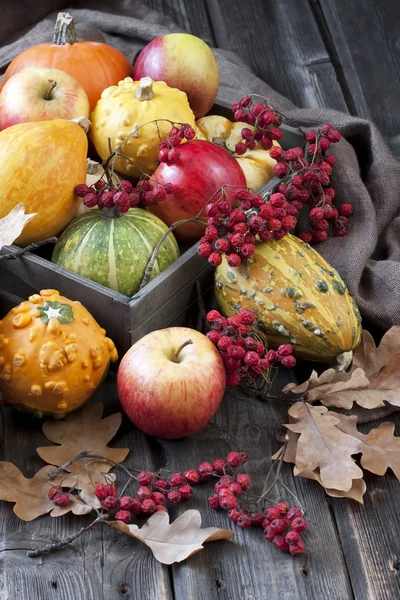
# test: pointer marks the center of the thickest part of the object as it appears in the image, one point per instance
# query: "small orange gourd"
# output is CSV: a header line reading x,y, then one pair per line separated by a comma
x,y
53,354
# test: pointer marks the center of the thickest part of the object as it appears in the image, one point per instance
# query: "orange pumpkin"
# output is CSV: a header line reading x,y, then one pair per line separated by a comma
x,y
40,165
53,354
95,65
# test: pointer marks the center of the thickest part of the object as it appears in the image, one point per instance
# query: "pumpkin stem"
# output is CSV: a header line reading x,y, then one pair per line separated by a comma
x,y
181,347
52,86
145,89
64,30
92,166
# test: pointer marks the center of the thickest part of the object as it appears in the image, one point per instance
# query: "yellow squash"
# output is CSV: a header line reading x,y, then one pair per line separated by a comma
x,y
298,298
123,108
53,354
41,163
257,165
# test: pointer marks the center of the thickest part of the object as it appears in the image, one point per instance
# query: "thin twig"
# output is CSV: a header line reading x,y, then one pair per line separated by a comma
x,y
64,543
278,471
34,246
86,454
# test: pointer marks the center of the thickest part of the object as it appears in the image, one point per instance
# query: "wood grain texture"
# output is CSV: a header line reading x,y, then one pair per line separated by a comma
x,y
365,36
281,42
190,15
369,535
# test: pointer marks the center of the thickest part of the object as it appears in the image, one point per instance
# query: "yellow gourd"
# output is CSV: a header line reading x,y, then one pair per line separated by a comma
x,y
53,354
257,165
123,108
297,297
41,163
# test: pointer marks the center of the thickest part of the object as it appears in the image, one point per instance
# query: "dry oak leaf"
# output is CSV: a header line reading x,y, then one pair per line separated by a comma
x,y
373,379
31,495
332,388
380,449
356,492
83,430
176,541
322,445
11,225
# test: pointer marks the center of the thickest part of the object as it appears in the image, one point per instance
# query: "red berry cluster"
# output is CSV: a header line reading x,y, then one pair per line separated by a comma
x,y
229,490
265,121
233,231
168,149
277,520
306,179
245,358
122,196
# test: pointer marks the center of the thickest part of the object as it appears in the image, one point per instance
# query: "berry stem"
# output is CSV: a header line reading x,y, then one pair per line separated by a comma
x,y
64,543
267,488
181,347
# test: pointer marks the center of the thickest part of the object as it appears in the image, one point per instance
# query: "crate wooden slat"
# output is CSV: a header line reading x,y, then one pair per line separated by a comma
x,y
168,300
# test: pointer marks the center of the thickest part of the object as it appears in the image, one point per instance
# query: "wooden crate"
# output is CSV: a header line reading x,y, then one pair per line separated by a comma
x,y
168,300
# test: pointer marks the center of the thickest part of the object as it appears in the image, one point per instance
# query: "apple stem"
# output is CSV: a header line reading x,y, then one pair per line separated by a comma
x,y
181,348
52,86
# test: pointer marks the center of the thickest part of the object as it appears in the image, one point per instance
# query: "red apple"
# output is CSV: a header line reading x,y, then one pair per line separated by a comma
x,y
41,94
185,62
171,382
202,168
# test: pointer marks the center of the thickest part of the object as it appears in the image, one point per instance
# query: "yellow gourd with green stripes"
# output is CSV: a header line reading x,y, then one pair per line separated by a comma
x,y
297,297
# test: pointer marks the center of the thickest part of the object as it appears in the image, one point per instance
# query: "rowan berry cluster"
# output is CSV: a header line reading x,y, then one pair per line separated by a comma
x,y
305,174
168,149
124,195
265,121
281,524
245,357
233,231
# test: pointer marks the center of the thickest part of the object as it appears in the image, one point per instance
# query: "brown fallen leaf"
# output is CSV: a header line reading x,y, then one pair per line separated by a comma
x,y
176,541
83,430
11,225
356,492
30,495
380,449
374,377
323,445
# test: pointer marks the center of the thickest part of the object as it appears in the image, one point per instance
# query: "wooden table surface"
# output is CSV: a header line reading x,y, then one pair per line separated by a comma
x,y
342,54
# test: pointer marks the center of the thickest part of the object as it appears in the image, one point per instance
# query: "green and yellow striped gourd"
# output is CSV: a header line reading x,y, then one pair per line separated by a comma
x,y
114,250
298,298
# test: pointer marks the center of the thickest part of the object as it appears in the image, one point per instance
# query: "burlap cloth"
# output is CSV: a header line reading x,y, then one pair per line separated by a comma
x,y
366,173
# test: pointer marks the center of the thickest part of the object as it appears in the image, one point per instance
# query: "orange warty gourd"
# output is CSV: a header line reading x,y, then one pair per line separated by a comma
x,y
53,355
40,165
95,65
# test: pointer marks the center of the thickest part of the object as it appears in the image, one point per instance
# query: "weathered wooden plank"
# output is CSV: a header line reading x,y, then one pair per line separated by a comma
x,y
280,41
249,567
365,36
191,15
99,566
370,534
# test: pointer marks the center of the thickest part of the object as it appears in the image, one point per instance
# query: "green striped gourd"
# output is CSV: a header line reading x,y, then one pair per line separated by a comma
x,y
114,251
297,297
